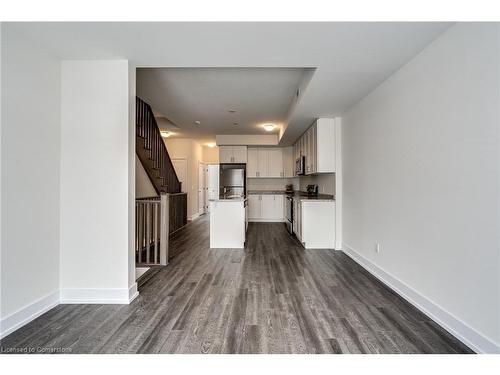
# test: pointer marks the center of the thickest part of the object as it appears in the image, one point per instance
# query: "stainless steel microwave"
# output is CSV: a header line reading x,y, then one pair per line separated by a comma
x,y
300,165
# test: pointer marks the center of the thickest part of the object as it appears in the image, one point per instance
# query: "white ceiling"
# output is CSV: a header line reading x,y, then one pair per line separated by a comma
x,y
351,59
186,95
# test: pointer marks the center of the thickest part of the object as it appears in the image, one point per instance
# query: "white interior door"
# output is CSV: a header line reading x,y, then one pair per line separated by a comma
x,y
180,166
201,188
212,182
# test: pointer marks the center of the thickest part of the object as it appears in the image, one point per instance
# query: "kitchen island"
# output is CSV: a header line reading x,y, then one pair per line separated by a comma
x,y
228,223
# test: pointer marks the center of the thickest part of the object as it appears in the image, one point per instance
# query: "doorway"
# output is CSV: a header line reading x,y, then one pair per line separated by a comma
x,y
212,183
202,188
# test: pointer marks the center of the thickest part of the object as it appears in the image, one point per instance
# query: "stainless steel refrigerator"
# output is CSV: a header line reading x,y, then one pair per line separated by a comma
x,y
232,179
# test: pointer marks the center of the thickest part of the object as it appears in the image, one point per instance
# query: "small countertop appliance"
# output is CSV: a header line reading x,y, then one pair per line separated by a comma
x,y
312,190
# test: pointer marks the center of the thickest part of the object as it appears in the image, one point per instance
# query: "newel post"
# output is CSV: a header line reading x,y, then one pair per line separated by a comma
x,y
164,228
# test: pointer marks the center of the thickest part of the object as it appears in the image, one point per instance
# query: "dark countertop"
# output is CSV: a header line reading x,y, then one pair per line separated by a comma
x,y
263,192
302,195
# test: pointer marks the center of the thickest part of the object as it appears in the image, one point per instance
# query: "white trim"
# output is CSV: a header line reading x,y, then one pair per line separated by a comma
x,y
338,183
266,220
121,296
133,293
32,311
204,192
194,216
458,328
28,313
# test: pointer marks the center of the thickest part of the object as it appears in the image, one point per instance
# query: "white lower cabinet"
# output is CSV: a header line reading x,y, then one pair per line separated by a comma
x,y
317,224
254,205
265,207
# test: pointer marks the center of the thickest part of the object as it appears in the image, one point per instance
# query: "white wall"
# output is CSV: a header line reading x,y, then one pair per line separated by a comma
x,y
270,183
30,143
132,285
325,182
210,155
143,186
247,139
95,183
421,169
189,149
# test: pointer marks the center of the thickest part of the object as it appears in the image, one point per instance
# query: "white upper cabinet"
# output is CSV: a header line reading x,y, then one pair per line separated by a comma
x,y
288,161
262,159
317,144
232,154
275,162
239,154
265,162
225,154
253,162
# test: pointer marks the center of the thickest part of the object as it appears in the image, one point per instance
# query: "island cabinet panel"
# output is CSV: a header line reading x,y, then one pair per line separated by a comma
x,y
227,224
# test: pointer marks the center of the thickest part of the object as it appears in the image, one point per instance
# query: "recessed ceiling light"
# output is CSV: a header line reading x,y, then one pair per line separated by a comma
x,y
165,133
197,122
232,111
235,123
269,127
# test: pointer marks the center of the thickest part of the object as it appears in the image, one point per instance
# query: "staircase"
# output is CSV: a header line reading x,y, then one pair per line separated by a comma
x,y
156,217
152,152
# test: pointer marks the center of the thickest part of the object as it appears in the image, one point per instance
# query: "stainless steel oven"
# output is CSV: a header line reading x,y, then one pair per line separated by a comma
x,y
289,213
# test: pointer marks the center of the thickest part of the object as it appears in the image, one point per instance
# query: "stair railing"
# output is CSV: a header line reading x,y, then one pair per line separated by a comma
x,y
151,232
152,151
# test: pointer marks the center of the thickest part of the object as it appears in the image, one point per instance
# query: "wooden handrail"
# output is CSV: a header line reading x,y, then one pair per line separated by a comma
x,y
152,151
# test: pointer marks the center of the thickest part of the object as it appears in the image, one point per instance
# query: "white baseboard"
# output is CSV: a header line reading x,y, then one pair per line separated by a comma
x,y
193,217
266,220
133,293
458,328
32,311
28,313
98,296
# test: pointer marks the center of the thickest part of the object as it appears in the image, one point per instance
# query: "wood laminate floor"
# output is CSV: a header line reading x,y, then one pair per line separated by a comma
x,y
272,297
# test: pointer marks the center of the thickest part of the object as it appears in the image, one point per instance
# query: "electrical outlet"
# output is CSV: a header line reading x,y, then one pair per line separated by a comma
x,y
377,247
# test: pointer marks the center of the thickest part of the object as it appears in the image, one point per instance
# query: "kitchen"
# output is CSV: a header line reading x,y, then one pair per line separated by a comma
x,y
294,185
